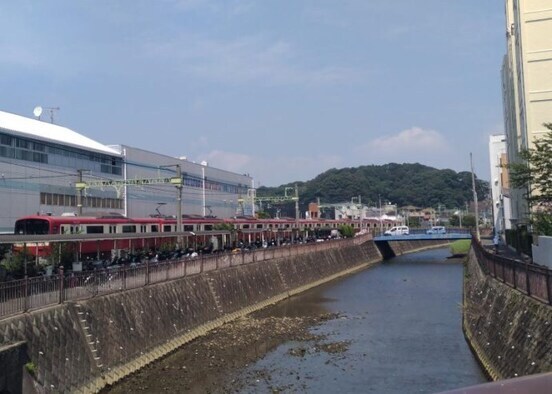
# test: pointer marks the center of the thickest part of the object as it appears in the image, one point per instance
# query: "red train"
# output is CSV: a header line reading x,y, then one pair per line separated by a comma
x,y
246,230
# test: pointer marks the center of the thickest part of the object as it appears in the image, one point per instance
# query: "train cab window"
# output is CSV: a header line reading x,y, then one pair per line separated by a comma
x,y
94,229
129,229
154,228
167,228
188,227
32,226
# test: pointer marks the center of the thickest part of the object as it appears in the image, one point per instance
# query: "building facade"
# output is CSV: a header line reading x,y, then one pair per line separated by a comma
x,y
526,84
41,164
499,183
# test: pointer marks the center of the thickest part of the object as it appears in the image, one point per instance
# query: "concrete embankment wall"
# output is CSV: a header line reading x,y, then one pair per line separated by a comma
x,y
402,247
509,332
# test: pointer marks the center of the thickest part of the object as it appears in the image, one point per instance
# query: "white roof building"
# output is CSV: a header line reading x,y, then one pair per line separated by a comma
x,y
49,132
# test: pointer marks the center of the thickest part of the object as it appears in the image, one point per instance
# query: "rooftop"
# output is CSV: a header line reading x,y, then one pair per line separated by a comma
x,y
31,128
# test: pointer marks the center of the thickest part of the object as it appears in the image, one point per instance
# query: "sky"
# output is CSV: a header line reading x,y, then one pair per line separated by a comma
x,y
282,90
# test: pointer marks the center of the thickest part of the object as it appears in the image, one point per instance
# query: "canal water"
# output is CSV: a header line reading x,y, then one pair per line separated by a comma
x,y
400,322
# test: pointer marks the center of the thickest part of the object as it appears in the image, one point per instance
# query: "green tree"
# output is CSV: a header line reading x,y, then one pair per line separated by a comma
x,y
534,174
347,231
14,264
414,221
262,215
62,253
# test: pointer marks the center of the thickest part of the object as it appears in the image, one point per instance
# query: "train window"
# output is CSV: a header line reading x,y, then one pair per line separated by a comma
x,y
167,228
154,228
208,227
94,229
270,226
32,226
129,229
259,226
245,226
188,227
143,228
287,225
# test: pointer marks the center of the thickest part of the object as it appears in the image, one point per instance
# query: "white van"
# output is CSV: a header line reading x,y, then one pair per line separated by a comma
x,y
398,230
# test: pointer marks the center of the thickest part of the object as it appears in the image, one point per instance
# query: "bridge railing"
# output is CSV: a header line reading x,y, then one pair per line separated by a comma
x,y
531,279
27,294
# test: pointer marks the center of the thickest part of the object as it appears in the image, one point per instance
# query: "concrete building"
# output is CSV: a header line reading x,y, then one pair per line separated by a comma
x,y
207,191
526,83
499,183
40,163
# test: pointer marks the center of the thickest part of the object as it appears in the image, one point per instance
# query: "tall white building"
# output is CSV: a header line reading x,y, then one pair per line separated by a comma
x,y
526,83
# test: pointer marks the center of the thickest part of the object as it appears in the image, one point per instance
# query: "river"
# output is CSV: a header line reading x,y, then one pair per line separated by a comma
x,y
402,321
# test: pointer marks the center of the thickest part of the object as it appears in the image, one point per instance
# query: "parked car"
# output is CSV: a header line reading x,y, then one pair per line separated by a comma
x,y
398,230
437,230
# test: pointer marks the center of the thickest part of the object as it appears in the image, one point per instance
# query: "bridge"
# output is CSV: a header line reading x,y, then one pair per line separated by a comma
x,y
422,236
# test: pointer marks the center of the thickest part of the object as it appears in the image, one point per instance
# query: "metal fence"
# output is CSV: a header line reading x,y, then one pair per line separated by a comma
x,y
27,294
531,279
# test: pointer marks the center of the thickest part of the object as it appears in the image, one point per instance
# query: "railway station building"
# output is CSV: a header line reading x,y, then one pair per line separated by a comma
x,y
41,165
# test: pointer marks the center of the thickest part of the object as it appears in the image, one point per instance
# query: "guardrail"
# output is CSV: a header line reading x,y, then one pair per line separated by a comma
x,y
27,294
528,278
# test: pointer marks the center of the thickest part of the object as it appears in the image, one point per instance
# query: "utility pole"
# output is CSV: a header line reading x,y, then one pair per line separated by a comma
x,y
179,202
79,191
380,217
475,201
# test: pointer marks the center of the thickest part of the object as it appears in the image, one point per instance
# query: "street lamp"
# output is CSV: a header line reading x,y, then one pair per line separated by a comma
x,y
177,182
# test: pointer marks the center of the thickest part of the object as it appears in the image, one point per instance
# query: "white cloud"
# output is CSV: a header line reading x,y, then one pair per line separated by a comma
x,y
412,145
407,140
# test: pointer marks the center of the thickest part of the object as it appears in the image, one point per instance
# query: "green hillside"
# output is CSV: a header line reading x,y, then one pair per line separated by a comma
x,y
402,184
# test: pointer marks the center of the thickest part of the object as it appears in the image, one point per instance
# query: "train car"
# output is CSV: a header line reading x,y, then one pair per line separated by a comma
x,y
104,224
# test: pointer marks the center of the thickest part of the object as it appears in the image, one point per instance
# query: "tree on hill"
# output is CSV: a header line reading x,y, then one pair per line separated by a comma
x,y
401,184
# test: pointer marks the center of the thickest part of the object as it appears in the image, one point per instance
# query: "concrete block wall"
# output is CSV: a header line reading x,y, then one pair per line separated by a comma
x,y
55,344
508,331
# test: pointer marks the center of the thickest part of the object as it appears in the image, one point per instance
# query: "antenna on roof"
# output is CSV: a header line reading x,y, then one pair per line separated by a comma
x,y
52,109
37,111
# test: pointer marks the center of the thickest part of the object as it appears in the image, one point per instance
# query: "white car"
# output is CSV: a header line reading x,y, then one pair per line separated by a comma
x,y
398,230
437,230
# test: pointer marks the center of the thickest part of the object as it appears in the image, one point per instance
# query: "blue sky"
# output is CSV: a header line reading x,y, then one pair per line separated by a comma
x,y
280,89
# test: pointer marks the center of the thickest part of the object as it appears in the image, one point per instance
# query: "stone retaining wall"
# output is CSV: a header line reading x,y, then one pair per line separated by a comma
x,y
81,347
508,331
402,247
